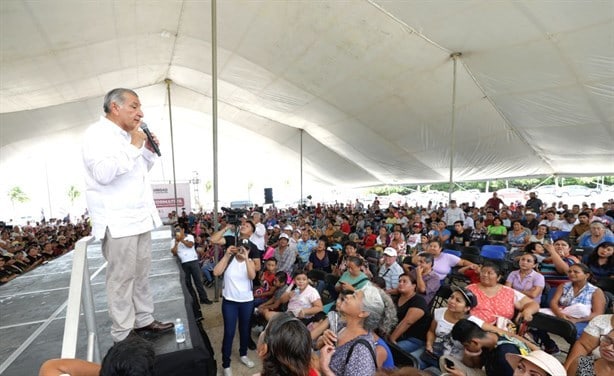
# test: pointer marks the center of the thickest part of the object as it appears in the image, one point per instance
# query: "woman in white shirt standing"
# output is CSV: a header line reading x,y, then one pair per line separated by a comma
x,y
238,304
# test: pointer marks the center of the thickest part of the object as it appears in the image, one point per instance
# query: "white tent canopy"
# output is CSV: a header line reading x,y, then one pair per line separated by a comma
x,y
369,82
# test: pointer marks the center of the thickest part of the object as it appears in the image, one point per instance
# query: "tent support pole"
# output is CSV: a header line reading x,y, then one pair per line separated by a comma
x,y
214,126
454,57
168,82
300,199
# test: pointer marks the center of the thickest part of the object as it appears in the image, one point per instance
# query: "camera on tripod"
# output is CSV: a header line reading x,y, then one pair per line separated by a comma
x,y
233,216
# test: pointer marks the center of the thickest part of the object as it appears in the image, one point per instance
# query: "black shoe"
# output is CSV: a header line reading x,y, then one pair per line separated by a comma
x,y
251,344
206,301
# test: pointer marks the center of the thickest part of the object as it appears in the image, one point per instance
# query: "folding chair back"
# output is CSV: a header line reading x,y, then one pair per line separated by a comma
x,y
495,252
401,357
555,325
441,297
556,235
452,252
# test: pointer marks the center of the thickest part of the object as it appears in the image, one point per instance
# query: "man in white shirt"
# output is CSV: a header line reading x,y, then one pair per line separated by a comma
x,y
258,235
184,249
453,214
390,270
569,222
551,221
117,158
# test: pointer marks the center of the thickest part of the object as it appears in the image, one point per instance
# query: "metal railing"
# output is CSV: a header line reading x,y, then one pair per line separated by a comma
x,y
80,292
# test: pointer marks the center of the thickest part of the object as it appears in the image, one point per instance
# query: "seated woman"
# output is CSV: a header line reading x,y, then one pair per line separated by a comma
x,y
397,242
427,281
519,237
350,251
588,343
597,234
353,278
438,338
588,365
414,318
601,261
319,259
557,265
496,300
443,262
352,351
577,301
527,280
496,229
386,324
541,236
285,348
303,300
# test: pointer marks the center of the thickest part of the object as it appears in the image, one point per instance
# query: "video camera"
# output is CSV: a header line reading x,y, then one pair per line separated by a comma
x,y
233,216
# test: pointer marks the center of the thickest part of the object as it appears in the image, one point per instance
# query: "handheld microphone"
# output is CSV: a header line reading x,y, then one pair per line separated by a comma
x,y
150,138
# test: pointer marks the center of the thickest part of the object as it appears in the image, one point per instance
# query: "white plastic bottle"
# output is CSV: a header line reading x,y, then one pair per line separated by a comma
x,y
179,331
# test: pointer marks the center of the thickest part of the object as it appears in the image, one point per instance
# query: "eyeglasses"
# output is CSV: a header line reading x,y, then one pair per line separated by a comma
x,y
606,340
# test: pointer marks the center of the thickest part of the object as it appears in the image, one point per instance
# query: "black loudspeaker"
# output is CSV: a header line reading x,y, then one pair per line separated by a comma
x,y
268,195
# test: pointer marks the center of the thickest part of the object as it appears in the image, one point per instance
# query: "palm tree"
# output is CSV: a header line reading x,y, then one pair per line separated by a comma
x,y
73,194
16,194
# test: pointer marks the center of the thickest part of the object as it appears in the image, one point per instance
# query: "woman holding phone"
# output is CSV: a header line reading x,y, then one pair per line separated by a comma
x,y
239,269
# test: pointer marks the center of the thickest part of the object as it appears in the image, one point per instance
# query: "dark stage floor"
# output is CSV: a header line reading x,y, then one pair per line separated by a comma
x,y
32,308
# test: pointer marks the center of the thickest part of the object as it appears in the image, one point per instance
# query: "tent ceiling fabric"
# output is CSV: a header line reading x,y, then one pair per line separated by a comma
x,y
370,82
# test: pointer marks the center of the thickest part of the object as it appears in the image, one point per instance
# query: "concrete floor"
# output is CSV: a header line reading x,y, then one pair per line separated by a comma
x,y
214,326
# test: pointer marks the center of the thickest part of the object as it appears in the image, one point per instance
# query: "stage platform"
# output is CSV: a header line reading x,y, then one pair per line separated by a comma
x,y
33,309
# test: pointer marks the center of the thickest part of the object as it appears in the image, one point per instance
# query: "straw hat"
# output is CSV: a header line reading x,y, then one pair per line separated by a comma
x,y
541,359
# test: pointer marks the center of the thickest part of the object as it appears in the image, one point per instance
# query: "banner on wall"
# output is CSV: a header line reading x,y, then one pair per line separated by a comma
x,y
164,197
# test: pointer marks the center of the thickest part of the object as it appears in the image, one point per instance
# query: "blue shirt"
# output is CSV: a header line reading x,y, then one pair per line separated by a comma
x,y
305,248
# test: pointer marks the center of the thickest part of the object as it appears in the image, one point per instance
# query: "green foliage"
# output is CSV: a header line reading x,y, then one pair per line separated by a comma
x,y
16,194
73,194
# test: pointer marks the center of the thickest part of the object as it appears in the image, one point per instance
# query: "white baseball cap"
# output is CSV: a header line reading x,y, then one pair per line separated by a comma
x,y
389,251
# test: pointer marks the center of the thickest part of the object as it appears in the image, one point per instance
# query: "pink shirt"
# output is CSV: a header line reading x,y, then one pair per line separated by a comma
x,y
502,304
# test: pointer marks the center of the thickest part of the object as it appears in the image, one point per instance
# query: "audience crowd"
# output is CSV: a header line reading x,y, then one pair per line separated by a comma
x,y
447,288
23,248
413,255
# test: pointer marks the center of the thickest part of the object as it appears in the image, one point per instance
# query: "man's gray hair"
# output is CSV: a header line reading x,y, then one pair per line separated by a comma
x,y
117,96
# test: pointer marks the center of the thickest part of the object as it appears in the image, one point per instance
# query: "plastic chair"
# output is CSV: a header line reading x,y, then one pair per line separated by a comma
x,y
441,297
494,252
606,284
552,324
476,259
401,357
556,235
452,252
471,250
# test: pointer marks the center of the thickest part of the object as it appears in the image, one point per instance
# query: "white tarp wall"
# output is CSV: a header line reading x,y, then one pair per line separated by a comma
x,y
370,82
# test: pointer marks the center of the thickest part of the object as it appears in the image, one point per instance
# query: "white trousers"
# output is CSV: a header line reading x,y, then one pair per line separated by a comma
x,y
129,298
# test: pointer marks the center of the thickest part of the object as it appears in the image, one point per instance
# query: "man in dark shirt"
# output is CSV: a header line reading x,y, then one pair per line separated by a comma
x,y
489,348
534,203
460,237
494,202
